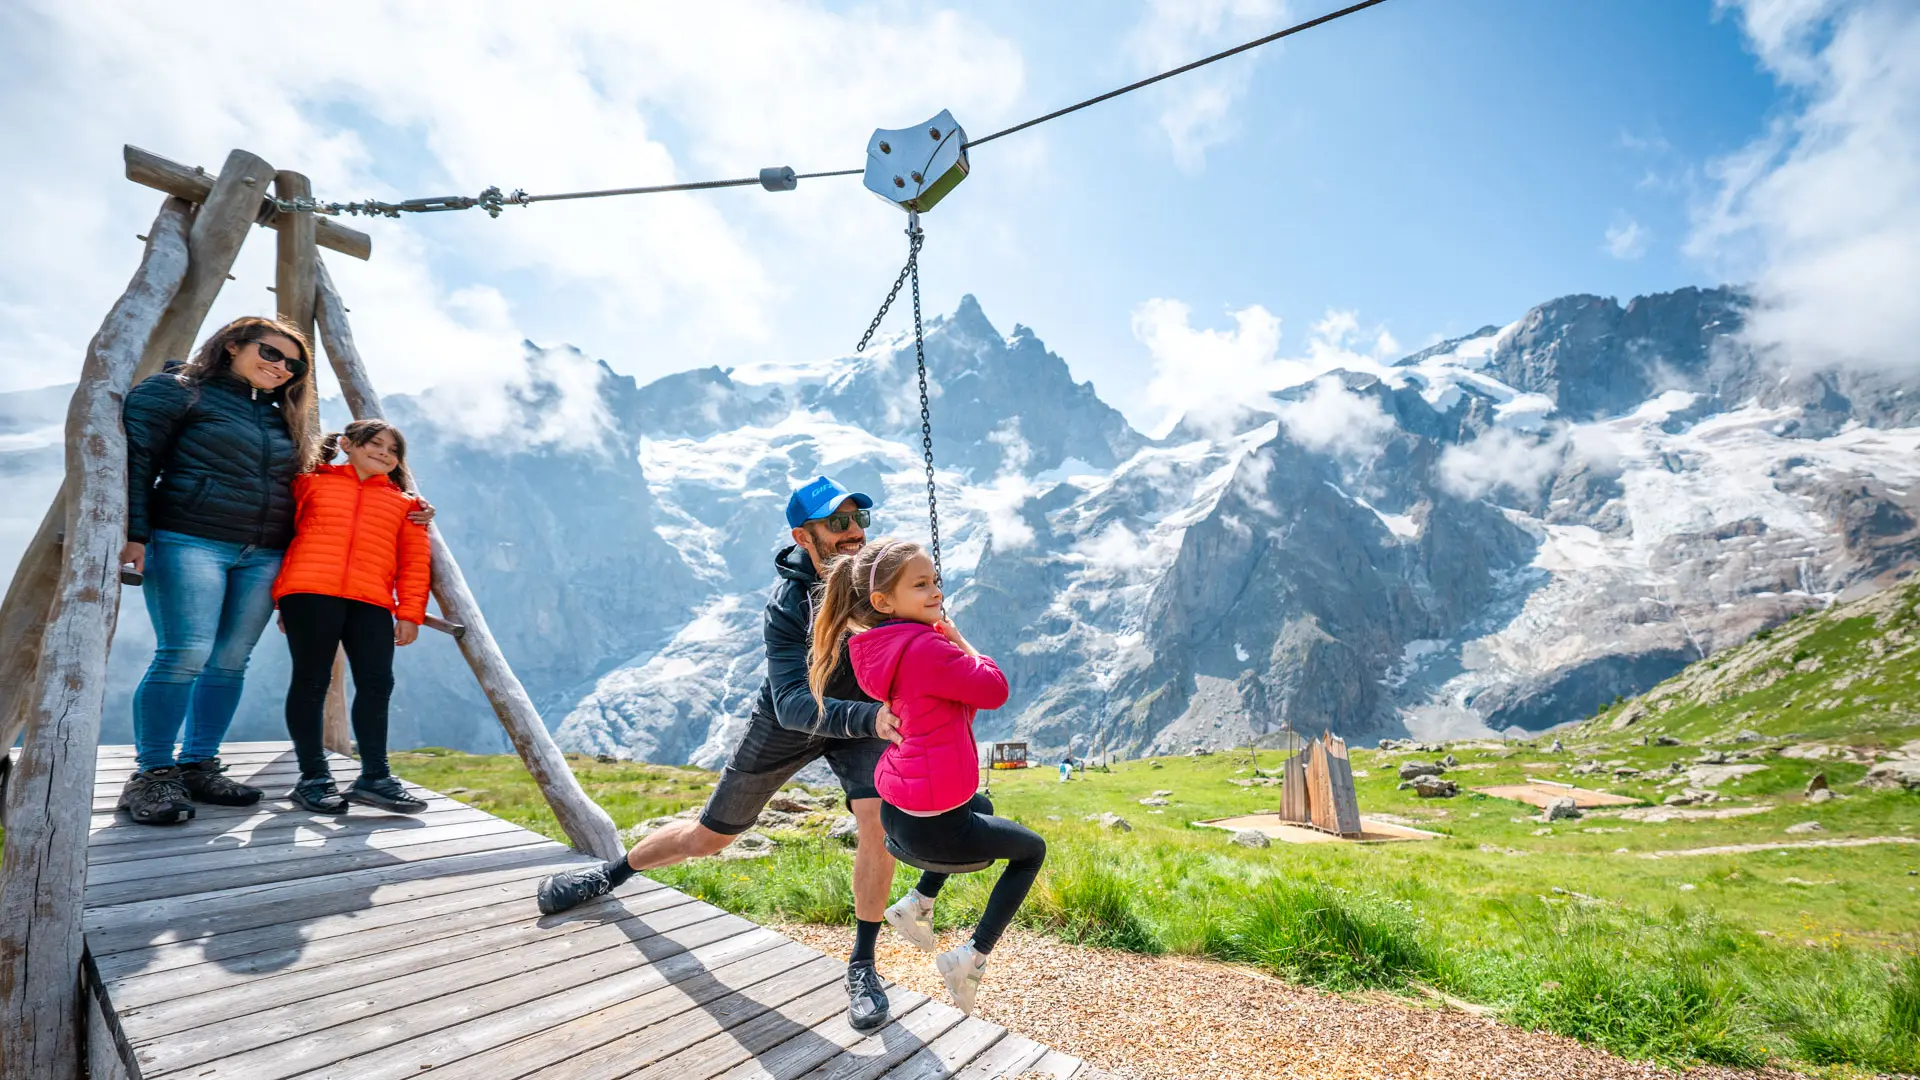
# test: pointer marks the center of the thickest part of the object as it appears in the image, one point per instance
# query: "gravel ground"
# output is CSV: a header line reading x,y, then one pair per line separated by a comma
x,y
1162,1018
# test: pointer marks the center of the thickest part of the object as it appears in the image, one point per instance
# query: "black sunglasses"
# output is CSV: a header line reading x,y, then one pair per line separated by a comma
x,y
294,365
839,522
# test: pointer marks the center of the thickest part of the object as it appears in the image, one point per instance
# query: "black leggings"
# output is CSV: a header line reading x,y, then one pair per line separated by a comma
x,y
971,833
316,627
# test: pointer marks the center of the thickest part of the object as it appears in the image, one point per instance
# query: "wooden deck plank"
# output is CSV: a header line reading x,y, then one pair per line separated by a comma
x,y
791,1020
268,943
117,842
175,1040
940,1058
268,951
318,865
1009,1057
648,1041
827,1039
662,979
143,924
1059,1066
891,1045
208,993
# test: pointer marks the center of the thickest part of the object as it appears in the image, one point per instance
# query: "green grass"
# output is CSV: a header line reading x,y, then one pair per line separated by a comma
x,y
1799,956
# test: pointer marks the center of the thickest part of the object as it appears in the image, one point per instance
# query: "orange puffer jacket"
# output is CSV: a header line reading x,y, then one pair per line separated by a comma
x,y
352,539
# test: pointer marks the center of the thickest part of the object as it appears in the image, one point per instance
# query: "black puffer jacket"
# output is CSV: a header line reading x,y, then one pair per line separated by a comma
x,y
214,461
785,696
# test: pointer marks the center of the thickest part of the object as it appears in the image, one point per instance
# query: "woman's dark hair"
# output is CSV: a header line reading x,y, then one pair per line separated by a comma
x,y
297,400
362,432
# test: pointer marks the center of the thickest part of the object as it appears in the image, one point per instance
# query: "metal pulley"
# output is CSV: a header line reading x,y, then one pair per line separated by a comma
x,y
914,168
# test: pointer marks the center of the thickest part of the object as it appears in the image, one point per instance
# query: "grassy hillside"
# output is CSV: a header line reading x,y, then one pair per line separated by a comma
x,y
1849,675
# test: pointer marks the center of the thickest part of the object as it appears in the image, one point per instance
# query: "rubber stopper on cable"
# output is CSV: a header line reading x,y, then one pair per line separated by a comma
x,y
779,178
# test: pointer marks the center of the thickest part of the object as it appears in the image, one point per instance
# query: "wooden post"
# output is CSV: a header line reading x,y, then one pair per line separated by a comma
x,y
585,823
219,227
336,733
43,873
293,272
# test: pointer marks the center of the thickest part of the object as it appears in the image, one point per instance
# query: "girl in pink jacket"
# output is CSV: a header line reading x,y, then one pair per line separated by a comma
x,y
906,654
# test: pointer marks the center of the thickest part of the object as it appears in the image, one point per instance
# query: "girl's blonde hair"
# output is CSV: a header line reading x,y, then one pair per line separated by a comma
x,y
362,432
843,601
296,394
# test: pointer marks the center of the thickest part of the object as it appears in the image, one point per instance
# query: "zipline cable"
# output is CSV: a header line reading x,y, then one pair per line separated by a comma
x,y
1181,70
493,200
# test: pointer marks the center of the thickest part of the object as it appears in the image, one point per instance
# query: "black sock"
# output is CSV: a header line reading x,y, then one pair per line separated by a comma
x,y
618,872
865,934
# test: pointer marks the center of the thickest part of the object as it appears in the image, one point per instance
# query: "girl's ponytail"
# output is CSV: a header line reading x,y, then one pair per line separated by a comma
x,y
835,604
329,446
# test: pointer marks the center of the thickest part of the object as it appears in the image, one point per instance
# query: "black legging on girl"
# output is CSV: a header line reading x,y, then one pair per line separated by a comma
x,y
966,834
316,627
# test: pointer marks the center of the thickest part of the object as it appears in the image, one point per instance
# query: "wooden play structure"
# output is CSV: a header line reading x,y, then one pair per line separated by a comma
x,y
61,607
1316,788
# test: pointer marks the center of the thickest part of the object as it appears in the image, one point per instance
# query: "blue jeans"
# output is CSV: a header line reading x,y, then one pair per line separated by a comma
x,y
209,600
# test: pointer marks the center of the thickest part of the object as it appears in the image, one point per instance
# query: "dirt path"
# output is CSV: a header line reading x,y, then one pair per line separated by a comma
x,y
1148,1018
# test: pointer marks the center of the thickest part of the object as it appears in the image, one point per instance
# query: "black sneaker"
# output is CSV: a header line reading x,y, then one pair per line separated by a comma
x,y
205,784
867,1008
385,793
156,797
317,794
571,888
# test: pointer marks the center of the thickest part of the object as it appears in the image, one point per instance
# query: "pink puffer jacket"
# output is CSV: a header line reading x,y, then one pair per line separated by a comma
x,y
935,689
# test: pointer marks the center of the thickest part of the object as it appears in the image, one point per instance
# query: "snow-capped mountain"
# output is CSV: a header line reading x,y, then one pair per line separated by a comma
x,y
1511,528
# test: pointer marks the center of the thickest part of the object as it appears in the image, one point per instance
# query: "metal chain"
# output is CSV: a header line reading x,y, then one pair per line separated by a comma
x,y
911,272
914,237
926,413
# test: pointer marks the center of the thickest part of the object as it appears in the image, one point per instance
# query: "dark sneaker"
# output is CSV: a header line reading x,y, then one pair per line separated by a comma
x,y
571,888
205,784
867,1008
317,794
385,793
156,797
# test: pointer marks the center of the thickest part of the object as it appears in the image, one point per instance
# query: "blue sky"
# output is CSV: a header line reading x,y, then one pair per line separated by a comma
x,y
1426,167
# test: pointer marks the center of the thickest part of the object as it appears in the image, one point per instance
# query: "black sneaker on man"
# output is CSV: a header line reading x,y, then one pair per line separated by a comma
x,y
156,797
318,795
867,1008
205,784
569,889
385,792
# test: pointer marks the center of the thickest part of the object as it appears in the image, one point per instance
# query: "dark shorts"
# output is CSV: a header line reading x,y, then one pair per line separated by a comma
x,y
768,756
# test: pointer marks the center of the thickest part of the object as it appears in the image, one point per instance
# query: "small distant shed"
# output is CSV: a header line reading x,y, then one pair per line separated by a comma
x,y
1008,755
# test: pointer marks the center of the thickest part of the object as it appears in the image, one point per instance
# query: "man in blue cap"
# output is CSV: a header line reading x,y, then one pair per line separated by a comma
x,y
789,730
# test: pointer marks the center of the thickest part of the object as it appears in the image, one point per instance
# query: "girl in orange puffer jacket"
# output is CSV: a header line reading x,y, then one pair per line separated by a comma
x,y
354,578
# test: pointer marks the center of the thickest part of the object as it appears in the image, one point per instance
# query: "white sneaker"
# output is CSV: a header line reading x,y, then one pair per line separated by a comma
x,y
912,917
962,969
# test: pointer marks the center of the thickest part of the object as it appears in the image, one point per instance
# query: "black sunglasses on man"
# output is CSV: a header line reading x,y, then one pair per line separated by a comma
x,y
840,522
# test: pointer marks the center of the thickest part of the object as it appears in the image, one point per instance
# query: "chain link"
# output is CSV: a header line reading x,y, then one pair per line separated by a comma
x,y
911,272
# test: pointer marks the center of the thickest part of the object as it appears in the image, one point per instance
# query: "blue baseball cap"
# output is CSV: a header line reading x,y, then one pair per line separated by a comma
x,y
818,497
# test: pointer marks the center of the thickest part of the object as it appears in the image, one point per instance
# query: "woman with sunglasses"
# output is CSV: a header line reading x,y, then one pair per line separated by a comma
x,y
212,450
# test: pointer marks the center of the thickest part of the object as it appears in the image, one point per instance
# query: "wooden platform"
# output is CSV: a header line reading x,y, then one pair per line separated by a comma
x,y
269,943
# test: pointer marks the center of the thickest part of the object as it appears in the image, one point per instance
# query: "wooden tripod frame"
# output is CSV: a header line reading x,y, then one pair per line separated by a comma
x,y
58,618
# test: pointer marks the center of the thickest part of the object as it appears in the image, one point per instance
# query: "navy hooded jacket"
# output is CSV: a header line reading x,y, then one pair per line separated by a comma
x,y
785,697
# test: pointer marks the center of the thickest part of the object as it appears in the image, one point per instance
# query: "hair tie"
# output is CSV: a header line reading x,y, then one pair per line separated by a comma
x,y
873,571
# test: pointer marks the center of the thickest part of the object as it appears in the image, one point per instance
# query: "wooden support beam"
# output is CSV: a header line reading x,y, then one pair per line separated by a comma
x,y
227,210
293,272
336,732
43,872
587,826
193,183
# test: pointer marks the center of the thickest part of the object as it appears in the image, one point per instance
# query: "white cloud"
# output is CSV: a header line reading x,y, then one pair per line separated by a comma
x,y
394,100
1333,419
1216,378
1197,107
1501,458
1626,241
1118,550
1823,211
